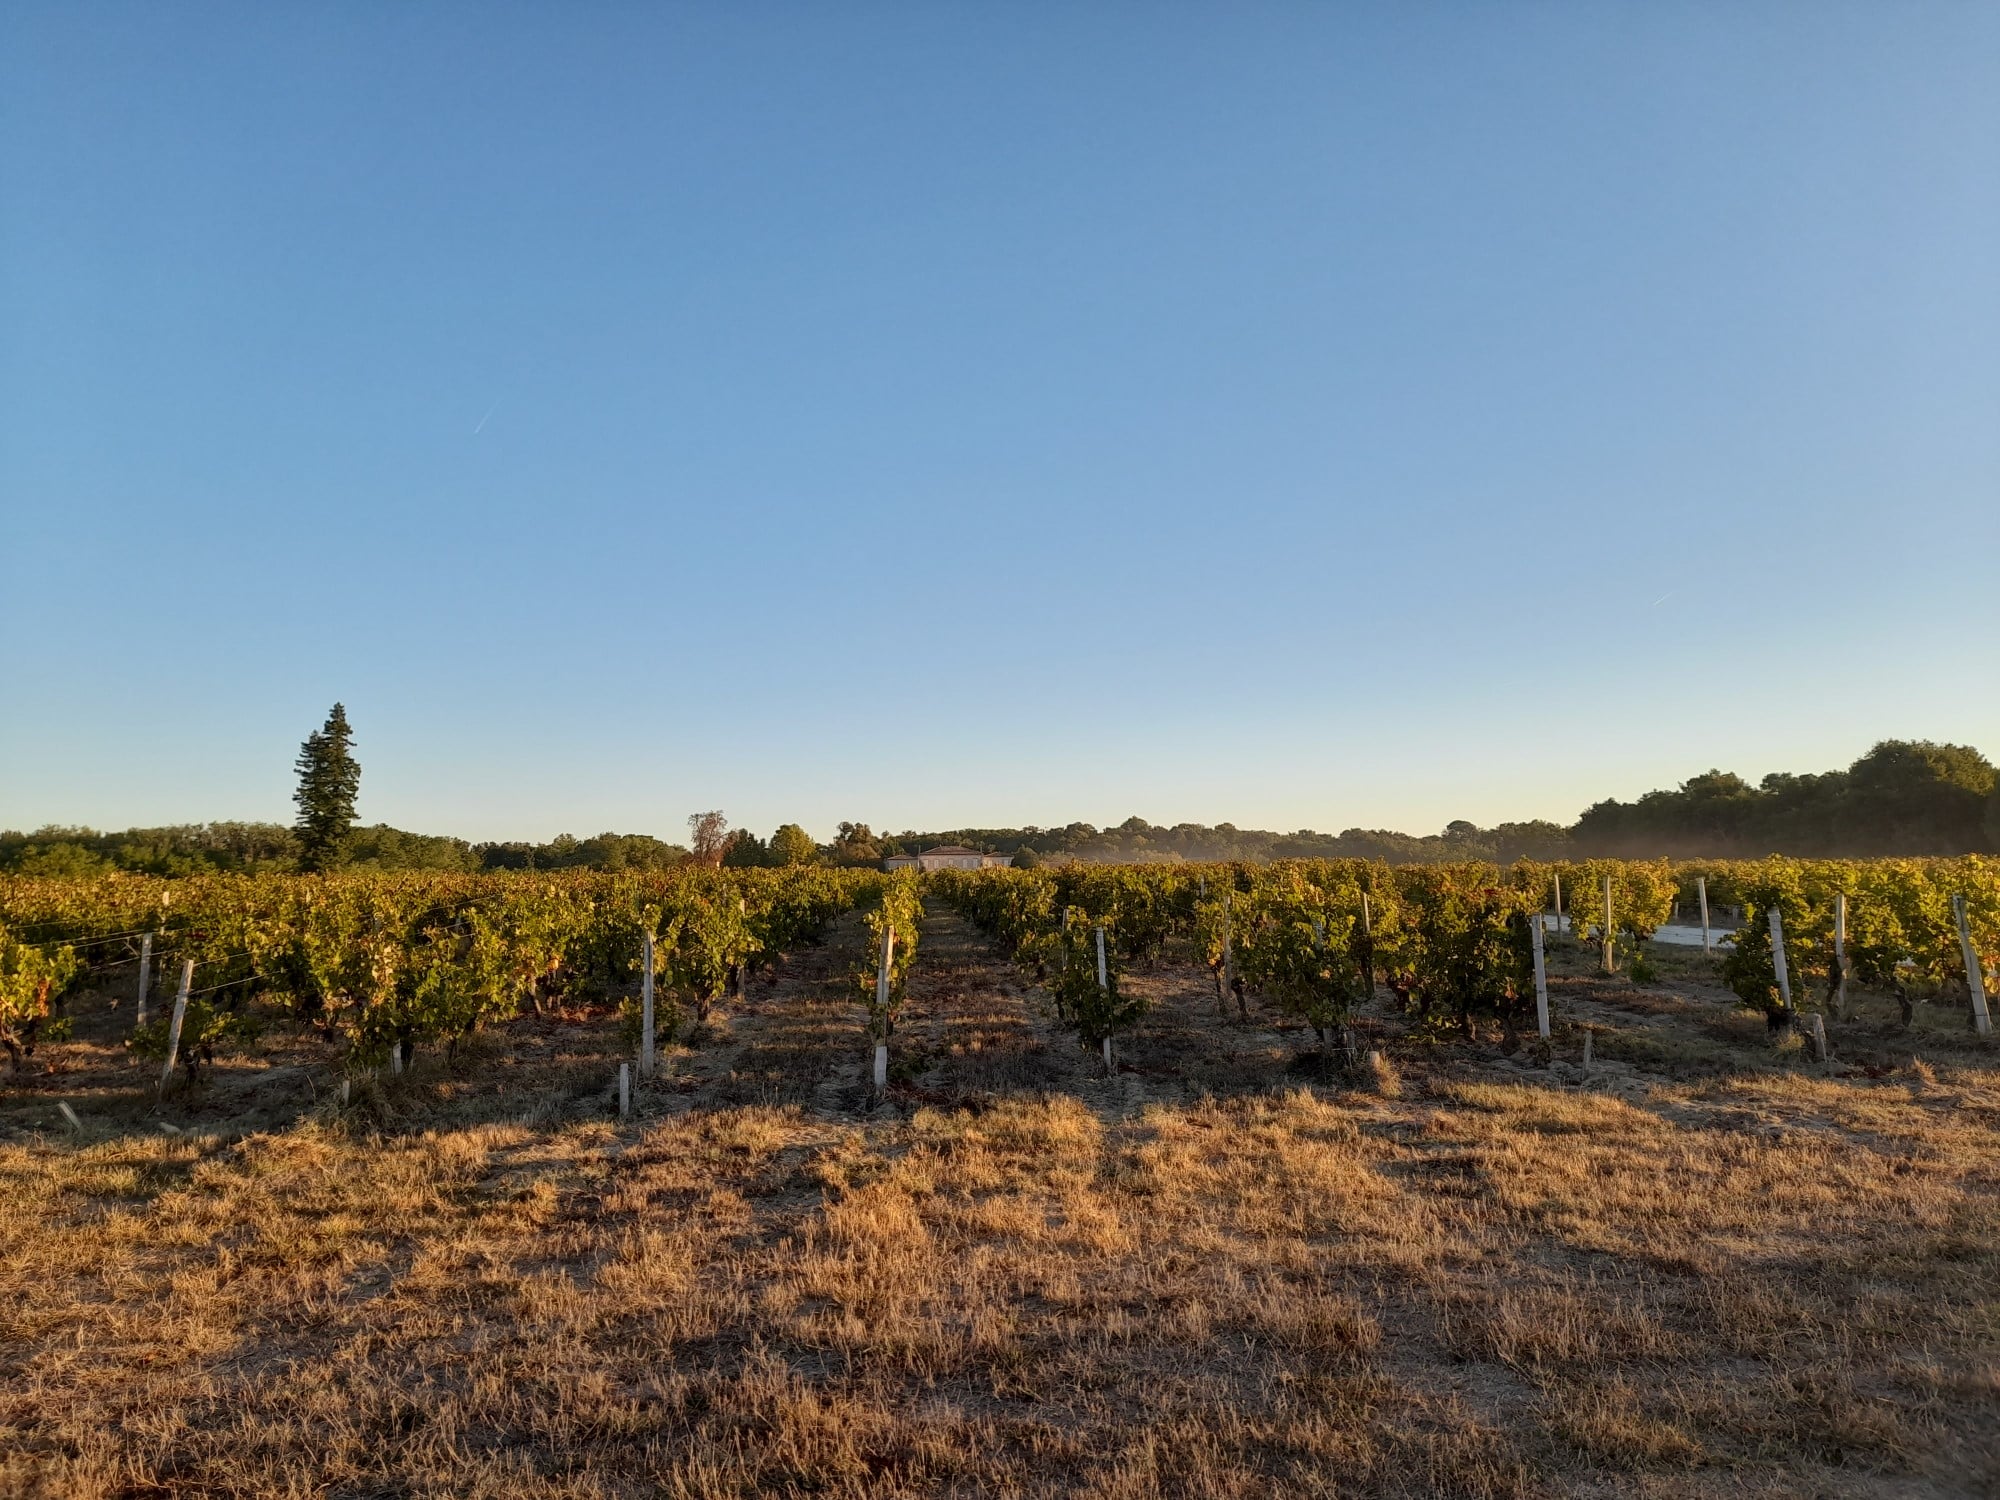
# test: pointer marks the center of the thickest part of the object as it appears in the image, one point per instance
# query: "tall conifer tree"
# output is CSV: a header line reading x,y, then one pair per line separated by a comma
x,y
329,781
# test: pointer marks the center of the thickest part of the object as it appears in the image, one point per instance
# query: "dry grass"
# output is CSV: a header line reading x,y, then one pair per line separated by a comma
x,y
1022,1279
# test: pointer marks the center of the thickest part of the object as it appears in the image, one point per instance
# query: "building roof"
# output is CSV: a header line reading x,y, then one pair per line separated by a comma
x,y
951,849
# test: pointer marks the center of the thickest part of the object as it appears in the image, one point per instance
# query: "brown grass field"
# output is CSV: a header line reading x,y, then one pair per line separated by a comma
x,y
1709,1268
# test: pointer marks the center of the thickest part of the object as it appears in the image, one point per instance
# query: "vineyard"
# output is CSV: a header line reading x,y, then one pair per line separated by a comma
x,y
385,965
1455,942
1308,1177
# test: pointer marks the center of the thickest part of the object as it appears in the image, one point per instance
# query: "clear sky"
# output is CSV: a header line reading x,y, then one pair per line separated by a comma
x,y
932,415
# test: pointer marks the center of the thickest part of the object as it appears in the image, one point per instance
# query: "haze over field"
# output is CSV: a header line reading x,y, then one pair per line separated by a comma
x,y
1295,418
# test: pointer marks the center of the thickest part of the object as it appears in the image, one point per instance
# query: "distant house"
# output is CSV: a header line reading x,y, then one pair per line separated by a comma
x,y
948,857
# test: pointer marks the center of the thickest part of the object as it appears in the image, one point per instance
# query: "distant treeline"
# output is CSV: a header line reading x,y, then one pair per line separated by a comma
x,y
1901,798
1137,841
206,848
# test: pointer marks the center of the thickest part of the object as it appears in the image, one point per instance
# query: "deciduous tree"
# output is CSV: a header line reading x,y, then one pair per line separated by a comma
x,y
792,845
708,836
855,845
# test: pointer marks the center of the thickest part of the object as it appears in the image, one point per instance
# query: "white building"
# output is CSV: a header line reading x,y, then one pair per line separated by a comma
x,y
948,857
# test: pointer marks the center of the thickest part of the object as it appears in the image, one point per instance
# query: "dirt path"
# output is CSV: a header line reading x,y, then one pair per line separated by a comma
x,y
782,1043
969,1031
973,1029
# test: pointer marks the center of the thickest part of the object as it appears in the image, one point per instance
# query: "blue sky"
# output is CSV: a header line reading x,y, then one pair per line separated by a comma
x,y
1305,416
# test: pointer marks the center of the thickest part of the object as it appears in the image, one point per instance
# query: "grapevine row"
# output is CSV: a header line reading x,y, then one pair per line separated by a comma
x,y
385,962
883,970
1454,942
391,962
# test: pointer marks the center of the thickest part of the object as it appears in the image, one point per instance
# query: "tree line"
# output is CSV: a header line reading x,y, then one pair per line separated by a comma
x,y
326,836
1906,798
274,848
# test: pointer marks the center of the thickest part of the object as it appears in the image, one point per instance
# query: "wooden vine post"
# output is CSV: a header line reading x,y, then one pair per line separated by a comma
x,y
1778,959
1541,982
743,963
1062,1005
145,977
1610,955
1975,971
1559,903
1104,983
882,1012
174,1026
1701,890
1228,949
1368,942
646,1060
1840,956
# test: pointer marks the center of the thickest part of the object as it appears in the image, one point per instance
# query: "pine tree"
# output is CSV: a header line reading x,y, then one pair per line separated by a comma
x,y
329,781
